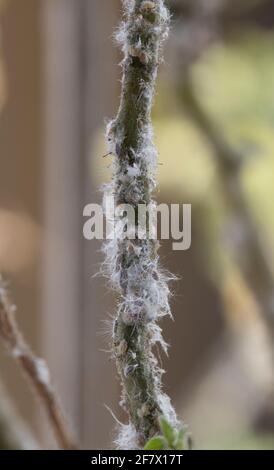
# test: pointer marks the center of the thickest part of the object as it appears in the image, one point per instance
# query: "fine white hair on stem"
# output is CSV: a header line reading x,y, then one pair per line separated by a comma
x,y
127,438
133,265
34,368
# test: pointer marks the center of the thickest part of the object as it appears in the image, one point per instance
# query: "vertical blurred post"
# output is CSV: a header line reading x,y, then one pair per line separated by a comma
x,y
20,179
81,89
100,385
61,301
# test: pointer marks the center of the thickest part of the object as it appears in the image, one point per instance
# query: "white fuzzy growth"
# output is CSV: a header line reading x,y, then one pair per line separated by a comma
x,y
158,30
147,296
110,138
148,153
132,266
167,409
128,438
147,293
133,171
157,337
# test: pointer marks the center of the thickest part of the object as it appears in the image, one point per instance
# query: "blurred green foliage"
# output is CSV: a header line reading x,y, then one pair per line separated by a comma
x,y
233,82
171,439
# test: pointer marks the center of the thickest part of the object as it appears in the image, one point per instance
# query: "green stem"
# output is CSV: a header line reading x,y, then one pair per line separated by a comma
x,y
134,265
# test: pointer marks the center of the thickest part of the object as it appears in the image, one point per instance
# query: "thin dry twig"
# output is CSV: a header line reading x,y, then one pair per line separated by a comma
x,y
34,368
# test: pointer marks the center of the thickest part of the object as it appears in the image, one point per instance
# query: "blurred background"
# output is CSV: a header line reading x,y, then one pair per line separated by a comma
x,y
214,127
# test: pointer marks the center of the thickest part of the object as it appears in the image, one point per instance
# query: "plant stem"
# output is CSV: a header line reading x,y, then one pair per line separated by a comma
x,y
133,264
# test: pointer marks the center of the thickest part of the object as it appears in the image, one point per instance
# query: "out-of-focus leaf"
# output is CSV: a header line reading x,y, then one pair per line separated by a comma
x,y
169,433
180,441
156,443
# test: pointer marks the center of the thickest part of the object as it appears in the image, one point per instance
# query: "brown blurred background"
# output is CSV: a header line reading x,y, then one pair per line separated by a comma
x,y
60,82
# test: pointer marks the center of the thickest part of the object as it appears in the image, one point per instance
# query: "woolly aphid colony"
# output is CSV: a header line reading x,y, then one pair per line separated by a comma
x,y
132,266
